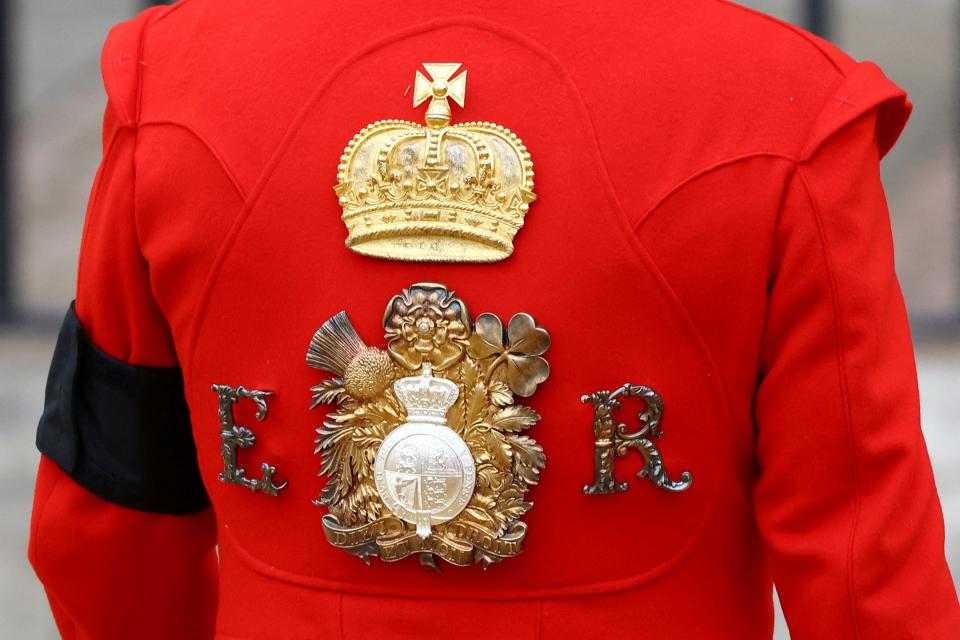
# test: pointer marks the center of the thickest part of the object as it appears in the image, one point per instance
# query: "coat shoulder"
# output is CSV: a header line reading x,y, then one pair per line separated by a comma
x,y
121,63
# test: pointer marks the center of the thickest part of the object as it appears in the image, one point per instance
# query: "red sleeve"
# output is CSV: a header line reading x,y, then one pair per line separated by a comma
x,y
112,572
845,500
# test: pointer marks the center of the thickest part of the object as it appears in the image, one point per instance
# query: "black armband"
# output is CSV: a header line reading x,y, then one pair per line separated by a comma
x,y
119,430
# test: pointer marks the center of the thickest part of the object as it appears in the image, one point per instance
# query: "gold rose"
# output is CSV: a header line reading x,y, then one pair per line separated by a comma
x,y
426,323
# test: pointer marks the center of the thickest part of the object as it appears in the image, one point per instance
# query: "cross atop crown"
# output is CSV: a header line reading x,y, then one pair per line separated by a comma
x,y
439,87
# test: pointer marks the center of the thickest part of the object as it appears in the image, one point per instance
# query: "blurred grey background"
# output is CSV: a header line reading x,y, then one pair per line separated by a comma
x,y
55,103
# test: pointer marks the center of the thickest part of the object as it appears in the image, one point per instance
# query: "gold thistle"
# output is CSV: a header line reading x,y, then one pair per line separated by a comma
x,y
435,193
425,452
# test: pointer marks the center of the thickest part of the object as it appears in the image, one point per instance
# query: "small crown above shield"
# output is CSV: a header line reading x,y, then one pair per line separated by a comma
x,y
427,399
435,193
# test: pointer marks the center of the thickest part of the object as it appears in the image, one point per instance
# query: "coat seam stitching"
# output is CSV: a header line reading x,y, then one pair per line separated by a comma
x,y
170,10
539,621
211,149
813,142
700,173
772,242
788,27
43,512
133,206
844,393
94,194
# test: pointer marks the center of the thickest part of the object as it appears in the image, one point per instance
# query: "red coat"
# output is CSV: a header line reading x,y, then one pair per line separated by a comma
x,y
710,222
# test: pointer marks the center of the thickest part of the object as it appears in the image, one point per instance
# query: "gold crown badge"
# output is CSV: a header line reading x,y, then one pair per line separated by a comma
x,y
438,193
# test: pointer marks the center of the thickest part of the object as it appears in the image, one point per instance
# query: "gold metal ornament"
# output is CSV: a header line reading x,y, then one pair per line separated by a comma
x,y
425,453
435,193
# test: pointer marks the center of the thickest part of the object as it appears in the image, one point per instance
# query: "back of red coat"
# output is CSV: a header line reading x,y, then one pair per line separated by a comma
x,y
539,319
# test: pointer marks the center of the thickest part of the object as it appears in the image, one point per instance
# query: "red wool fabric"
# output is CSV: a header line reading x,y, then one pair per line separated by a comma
x,y
710,223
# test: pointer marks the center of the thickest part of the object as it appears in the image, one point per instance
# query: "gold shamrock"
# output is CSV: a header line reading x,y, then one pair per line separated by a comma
x,y
523,368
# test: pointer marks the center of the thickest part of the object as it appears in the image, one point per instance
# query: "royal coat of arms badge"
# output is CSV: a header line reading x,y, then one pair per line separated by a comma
x,y
426,452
